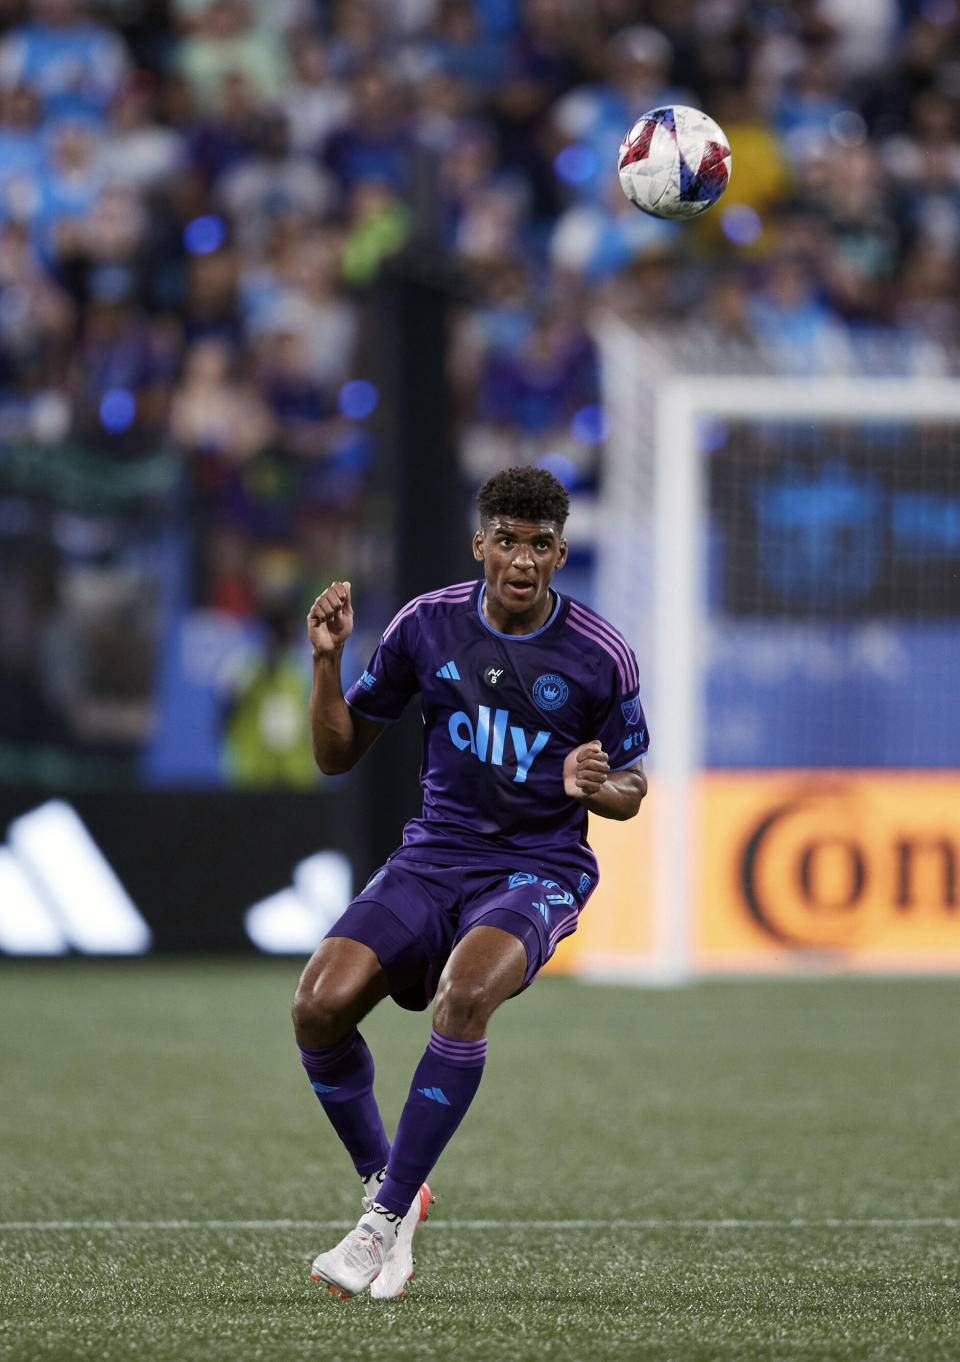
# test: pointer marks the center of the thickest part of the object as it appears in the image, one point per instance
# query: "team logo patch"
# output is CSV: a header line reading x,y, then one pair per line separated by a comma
x,y
585,883
631,710
520,877
550,691
493,675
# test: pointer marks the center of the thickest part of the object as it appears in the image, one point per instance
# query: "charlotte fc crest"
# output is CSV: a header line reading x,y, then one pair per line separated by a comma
x,y
550,691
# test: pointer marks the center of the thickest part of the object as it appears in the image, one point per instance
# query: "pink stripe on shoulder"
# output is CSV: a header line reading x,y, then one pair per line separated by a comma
x,y
597,638
615,641
453,595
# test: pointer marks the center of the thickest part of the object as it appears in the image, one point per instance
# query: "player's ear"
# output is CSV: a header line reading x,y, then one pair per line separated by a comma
x,y
561,554
478,546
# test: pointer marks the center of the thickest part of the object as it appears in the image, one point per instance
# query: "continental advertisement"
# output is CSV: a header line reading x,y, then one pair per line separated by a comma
x,y
794,872
830,870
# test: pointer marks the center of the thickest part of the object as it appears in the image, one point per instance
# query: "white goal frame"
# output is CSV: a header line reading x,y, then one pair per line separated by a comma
x,y
670,409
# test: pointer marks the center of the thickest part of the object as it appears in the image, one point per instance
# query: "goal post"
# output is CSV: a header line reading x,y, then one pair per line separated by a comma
x,y
658,561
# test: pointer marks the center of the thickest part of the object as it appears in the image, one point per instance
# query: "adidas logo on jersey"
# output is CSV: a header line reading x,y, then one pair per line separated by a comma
x,y
449,671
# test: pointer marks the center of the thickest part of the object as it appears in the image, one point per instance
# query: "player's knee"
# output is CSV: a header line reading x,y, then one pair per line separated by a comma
x,y
321,1012
463,1006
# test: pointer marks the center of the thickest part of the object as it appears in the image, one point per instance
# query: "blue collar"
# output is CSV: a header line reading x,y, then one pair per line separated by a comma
x,y
516,638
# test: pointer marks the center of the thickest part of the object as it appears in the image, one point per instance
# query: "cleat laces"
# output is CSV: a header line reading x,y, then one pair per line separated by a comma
x,y
363,1251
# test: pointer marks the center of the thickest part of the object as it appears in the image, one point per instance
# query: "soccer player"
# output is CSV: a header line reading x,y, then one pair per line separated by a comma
x,y
532,719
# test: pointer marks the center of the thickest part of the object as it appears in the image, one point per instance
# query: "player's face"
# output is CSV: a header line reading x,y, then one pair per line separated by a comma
x,y
519,559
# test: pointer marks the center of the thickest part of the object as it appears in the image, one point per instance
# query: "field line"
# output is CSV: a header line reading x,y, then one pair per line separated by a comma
x,y
798,1223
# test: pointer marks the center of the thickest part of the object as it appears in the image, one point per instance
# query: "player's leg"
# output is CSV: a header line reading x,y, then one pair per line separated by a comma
x,y
487,966
389,940
342,982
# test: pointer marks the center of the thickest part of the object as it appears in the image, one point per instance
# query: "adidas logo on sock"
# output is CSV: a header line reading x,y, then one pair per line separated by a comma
x,y
436,1095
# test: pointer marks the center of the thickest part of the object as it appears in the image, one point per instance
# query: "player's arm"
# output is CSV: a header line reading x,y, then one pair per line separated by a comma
x,y
611,794
338,735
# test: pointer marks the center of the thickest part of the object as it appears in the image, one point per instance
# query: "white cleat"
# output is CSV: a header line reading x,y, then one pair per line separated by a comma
x,y
350,1267
397,1267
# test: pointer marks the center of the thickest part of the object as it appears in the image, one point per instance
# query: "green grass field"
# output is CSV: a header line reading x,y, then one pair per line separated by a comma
x,y
756,1171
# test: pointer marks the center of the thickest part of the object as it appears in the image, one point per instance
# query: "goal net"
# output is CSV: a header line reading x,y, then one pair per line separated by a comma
x,y
785,556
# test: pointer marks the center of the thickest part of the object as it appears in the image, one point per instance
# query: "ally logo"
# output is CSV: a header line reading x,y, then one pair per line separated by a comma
x,y
487,739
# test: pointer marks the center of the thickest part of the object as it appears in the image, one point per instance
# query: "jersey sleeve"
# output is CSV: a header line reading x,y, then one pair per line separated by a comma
x,y
620,723
389,680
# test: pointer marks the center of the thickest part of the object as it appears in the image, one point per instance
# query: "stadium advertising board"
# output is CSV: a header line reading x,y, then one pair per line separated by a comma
x,y
796,871
102,873
829,870
616,935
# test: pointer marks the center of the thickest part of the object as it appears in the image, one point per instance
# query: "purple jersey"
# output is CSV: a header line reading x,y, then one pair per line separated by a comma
x,y
500,714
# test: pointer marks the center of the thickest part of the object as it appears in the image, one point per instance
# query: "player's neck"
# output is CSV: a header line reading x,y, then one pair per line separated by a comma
x,y
506,622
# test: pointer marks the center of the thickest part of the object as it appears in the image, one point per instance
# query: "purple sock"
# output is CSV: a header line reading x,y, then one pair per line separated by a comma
x,y
342,1077
443,1087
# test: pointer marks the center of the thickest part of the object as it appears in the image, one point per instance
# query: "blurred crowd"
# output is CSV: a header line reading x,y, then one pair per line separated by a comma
x,y
196,198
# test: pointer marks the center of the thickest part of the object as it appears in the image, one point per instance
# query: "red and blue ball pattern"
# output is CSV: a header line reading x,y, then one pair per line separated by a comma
x,y
674,162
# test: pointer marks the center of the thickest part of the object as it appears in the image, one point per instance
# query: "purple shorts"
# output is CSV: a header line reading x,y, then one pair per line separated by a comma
x,y
413,912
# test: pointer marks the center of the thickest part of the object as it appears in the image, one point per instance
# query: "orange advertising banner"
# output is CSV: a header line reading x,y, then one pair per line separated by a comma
x,y
823,871
830,870
615,933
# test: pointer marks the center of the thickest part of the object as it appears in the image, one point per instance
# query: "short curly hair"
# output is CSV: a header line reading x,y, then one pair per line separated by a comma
x,y
524,493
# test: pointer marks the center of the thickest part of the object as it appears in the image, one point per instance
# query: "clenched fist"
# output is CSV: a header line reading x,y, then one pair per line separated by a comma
x,y
585,770
330,621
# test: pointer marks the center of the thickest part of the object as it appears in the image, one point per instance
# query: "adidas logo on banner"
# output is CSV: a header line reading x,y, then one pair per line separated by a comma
x,y
59,893
449,670
293,920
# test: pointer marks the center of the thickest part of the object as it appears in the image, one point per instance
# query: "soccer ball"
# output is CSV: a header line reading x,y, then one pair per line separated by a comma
x,y
674,162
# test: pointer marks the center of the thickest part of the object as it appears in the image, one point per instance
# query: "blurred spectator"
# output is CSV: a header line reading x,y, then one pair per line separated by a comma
x,y
863,235
272,183
794,322
315,102
266,733
592,242
374,142
810,105
138,150
36,315
296,288
227,40
20,139
69,184
72,63
213,413
378,225
924,164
